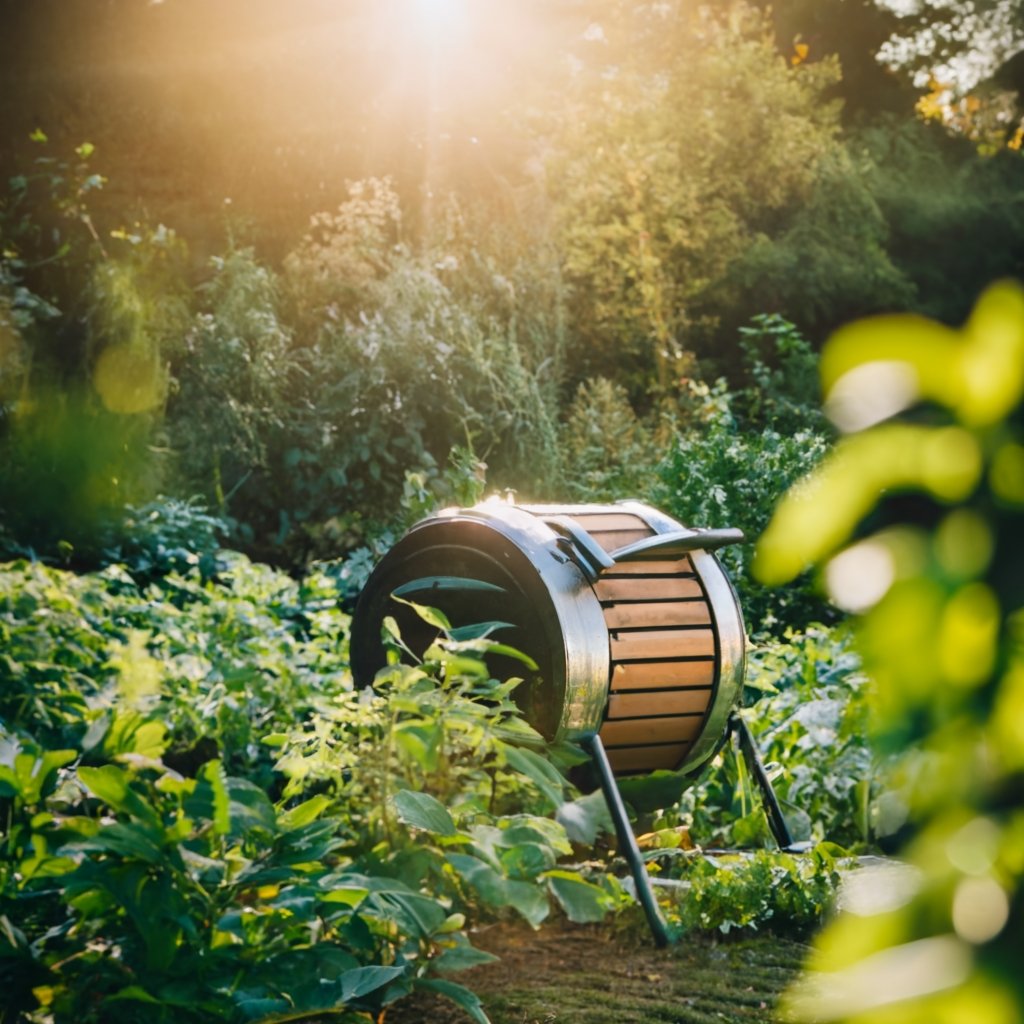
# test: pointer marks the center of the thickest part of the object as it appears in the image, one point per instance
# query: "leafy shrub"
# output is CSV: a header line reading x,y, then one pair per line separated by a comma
x,y
197,900
717,475
832,260
609,454
952,226
394,376
167,535
656,202
807,709
47,239
343,254
780,386
213,663
230,398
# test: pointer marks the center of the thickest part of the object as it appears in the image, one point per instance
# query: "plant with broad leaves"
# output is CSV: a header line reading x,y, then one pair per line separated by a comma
x,y
143,878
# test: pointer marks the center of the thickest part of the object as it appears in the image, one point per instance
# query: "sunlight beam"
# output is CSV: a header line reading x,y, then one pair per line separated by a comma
x,y
439,20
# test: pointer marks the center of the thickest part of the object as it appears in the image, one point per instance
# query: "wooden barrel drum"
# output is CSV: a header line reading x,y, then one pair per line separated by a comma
x,y
629,615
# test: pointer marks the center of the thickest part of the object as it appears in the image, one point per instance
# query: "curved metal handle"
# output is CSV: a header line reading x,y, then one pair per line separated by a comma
x,y
678,542
580,546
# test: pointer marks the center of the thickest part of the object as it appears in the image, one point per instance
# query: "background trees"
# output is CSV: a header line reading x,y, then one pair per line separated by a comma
x,y
295,254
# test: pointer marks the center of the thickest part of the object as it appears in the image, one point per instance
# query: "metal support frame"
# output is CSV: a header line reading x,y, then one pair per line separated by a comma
x,y
776,820
627,841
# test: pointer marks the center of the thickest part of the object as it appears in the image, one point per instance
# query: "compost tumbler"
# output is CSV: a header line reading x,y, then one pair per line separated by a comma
x,y
632,622
630,617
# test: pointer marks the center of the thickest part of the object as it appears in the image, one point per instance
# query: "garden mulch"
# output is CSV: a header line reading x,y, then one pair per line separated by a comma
x,y
591,974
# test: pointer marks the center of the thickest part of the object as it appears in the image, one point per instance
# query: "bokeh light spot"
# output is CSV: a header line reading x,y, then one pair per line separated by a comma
x,y
859,577
973,848
951,463
868,394
129,381
980,909
1006,475
964,544
969,630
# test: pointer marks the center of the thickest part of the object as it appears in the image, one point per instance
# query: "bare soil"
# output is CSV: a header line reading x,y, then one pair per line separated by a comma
x,y
587,974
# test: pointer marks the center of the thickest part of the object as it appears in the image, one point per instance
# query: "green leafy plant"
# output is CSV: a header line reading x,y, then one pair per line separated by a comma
x,y
167,535
780,389
609,453
716,474
443,744
229,406
807,708
204,821
726,892
45,223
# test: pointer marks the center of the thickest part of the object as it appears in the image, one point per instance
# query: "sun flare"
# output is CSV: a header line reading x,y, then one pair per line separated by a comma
x,y
439,19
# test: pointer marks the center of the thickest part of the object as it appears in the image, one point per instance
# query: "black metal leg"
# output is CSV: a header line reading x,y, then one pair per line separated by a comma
x,y
776,819
627,841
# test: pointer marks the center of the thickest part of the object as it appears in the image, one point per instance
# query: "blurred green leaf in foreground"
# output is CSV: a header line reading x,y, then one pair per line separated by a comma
x,y
914,523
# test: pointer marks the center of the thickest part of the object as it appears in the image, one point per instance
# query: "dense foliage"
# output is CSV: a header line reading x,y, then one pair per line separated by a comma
x,y
203,820
807,708
915,520
542,310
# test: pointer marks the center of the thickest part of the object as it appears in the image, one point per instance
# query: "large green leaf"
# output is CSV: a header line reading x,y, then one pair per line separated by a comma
x,y
432,616
421,741
361,981
127,840
539,770
132,993
484,646
458,994
528,898
479,630
457,954
414,913
28,774
647,793
582,901
309,810
584,818
421,810
250,808
111,785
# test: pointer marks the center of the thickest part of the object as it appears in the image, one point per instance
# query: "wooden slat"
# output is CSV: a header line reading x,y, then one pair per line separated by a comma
x,y
649,675
657,613
647,759
656,588
663,643
591,521
612,539
655,567
665,702
635,732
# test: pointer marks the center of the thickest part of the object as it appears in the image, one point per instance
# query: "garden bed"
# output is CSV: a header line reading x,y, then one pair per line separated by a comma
x,y
591,974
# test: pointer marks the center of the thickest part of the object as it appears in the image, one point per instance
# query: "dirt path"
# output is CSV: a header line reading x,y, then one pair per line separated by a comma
x,y
574,974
